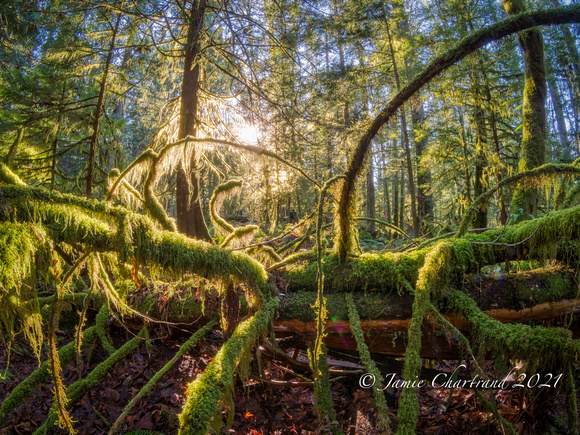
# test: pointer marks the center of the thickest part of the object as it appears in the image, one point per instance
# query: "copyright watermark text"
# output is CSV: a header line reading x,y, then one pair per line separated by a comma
x,y
449,380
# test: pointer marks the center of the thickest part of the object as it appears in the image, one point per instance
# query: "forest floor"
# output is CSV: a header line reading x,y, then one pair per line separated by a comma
x,y
260,407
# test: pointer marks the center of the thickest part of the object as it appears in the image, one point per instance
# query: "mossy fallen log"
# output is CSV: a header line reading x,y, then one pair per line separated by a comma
x,y
555,236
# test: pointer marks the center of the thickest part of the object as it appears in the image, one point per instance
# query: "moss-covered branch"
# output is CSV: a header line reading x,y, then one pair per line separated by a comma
x,y
471,43
365,356
218,196
555,237
547,345
76,391
548,170
102,227
185,347
204,393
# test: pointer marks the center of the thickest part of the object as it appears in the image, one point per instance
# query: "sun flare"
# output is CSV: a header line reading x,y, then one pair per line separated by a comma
x,y
248,135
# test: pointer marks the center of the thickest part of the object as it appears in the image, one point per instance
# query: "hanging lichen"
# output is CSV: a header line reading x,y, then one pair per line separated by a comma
x,y
24,259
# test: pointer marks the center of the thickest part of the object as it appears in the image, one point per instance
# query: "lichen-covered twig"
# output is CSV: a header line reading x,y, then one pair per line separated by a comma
x,y
76,391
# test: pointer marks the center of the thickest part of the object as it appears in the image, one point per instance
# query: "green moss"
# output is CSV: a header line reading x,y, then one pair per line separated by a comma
x,y
204,393
432,279
220,193
24,259
9,177
26,388
571,196
76,390
75,220
185,347
522,201
552,345
382,272
381,403
240,236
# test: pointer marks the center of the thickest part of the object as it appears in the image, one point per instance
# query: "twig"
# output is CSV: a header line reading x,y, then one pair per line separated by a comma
x,y
511,245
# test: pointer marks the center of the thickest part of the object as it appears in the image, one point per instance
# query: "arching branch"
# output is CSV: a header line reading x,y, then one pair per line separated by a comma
x,y
562,15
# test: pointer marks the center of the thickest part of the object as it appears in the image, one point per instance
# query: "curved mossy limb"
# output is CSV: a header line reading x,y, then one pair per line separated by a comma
x,y
26,388
152,204
532,176
393,229
185,347
9,177
204,393
345,239
147,155
156,211
240,236
220,193
76,390
264,254
309,256
365,356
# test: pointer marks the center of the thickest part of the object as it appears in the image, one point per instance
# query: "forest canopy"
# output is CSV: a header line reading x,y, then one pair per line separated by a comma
x,y
288,194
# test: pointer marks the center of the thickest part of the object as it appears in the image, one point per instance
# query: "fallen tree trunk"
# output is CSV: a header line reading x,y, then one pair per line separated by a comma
x,y
539,295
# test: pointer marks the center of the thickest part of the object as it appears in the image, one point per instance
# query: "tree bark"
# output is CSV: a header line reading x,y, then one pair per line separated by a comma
x,y
99,110
409,160
190,219
480,180
559,112
533,149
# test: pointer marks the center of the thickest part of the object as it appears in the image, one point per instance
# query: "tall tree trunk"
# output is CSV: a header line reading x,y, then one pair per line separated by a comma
x,y
371,200
559,112
479,184
525,200
409,159
99,110
402,206
386,200
574,75
424,198
396,198
467,190
495,137
371,203
13,151
190,220
55,141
